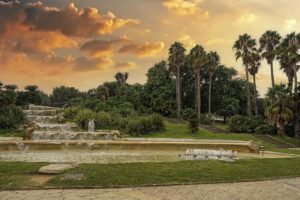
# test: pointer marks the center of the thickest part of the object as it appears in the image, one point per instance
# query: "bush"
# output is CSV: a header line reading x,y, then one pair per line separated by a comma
x,y
265,129
83,116
206,119
193,125
11,117
244,124
144,125
103,120
71,112
188,114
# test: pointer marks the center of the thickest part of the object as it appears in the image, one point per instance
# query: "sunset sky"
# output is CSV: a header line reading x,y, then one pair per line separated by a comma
x,y
83,43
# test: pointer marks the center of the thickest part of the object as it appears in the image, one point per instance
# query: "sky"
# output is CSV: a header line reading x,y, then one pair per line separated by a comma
x,y
83,43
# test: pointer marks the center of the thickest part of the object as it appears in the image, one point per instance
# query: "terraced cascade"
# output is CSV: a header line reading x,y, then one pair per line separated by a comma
x,y
46,126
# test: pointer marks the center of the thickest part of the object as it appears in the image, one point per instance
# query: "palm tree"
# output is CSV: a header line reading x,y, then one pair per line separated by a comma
x,y
278,106
289,58
213,61
121,78
31,88
269,43
243,48
175,61
254,65
197,59
1,85
12,87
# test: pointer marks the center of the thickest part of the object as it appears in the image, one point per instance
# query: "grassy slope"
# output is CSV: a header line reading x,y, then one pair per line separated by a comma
x,y
137,174
12,133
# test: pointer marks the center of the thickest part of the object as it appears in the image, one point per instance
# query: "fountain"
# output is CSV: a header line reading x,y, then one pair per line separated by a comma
x,y
91,125
209,154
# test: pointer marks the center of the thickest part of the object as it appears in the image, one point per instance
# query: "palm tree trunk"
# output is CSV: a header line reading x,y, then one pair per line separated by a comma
x,y
290,84
198,93
178,93
297,106
255,97
281,129
209,94
272,74
248,93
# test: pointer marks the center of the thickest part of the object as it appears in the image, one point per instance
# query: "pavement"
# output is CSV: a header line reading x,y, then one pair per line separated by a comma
x,y
287,189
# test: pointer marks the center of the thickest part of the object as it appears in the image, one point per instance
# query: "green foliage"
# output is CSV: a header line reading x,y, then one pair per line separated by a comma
x,y
265,129
193,125
206,119
7,98
71,112
144,125
62,95
11,116
244,124
188,114
103,120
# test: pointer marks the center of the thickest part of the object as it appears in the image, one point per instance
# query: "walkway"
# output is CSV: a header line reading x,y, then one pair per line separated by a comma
x,y
288,189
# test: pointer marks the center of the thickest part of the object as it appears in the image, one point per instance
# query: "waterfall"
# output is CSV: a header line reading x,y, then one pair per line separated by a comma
x,y
91,125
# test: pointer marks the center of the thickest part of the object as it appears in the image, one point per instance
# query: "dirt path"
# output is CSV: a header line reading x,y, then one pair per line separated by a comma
x,y
272,189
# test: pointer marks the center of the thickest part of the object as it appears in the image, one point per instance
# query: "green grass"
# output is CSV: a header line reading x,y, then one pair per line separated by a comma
x,y
12,133
15,174
137,174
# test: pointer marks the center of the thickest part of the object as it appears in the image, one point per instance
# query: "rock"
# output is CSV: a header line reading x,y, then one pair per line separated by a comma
x,y
29,132
56,168
60,119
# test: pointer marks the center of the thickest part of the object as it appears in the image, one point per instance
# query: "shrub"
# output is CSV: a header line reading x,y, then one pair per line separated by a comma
x,y
265,129
83,116
144,125
206,119
188,114
71,112
103,120
244,124
11,117
193,125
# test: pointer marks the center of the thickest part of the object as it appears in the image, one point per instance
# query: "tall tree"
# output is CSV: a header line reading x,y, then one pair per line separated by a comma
x,y
213,61
175,61
269,43
289,59
12,87
254,64
121,78
278,106
243,48
197,60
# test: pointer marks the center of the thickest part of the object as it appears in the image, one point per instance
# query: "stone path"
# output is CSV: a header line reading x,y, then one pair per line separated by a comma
x,y
288,189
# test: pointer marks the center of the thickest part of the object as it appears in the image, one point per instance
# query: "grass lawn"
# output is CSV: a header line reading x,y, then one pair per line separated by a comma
x,y
16,175
12,133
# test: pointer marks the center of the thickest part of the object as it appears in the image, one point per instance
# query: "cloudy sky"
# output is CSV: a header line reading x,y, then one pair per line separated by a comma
x,y
83,43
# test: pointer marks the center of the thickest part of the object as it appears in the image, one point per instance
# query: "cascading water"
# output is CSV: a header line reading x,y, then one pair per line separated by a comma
x,y
91,125
48,128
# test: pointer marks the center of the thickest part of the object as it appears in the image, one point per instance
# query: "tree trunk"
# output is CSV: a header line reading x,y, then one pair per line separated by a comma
x,y
272,74
281,128
198,93
290,84
255,97
178,93
248,93
297,106
209,94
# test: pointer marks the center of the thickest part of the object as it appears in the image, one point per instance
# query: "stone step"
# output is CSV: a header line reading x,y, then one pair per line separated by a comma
x,y
43,119
54,135
35,107
50,112
57,127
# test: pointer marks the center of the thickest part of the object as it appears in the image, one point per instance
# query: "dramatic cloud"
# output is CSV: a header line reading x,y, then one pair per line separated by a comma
x,y
182,7
125,65
143,49
98,48
91,64
70,21
76,22
187,41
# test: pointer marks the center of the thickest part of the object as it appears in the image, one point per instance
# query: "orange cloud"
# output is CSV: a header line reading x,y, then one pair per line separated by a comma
x,y
98,48
143,49
125,65
182,7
